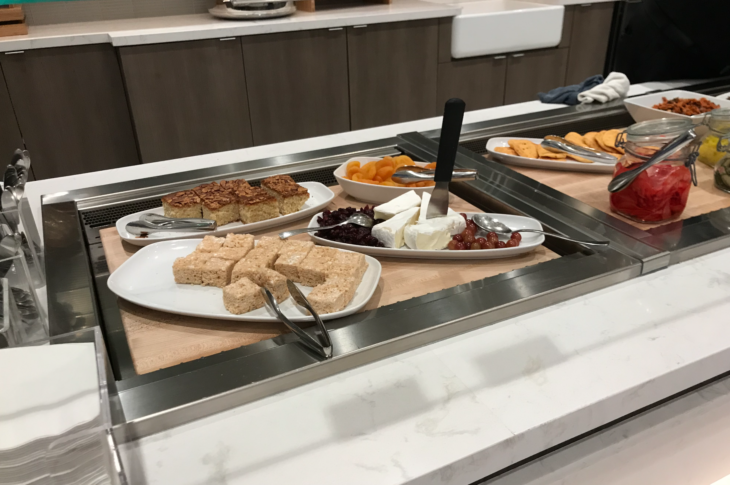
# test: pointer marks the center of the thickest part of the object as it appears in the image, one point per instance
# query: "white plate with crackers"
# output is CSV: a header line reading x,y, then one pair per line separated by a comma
x,y
530,242
147,280
550,164
319,197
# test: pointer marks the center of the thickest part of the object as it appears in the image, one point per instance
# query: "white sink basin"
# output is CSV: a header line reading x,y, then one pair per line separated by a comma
x,y
499,26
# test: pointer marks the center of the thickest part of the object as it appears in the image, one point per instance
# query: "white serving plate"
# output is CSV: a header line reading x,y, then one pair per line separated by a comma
x,y
319,197
146,279
373,194
529,242
570,165
640,107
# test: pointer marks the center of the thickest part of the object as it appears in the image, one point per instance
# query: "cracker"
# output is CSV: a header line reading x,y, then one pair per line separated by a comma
x,y
590,140
524,148
609,139
576,139
544,153
505,150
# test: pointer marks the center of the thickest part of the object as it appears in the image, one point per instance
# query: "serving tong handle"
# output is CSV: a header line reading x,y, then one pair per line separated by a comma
x,y
138,228
322,345
559,143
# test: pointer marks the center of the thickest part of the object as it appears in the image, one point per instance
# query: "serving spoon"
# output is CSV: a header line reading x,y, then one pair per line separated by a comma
x,y
493,225
358,218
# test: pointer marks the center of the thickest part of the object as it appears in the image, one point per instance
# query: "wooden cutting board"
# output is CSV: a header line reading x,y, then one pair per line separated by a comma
x,y
158,340
592,189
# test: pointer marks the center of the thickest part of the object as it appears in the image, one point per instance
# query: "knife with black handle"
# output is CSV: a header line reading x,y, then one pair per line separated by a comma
x,y
448,145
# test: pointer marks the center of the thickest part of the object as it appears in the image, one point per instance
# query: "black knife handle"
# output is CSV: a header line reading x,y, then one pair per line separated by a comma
x,y
449,141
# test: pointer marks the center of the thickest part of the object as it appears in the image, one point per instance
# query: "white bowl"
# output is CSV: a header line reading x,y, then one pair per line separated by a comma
x,y
641,109
373,194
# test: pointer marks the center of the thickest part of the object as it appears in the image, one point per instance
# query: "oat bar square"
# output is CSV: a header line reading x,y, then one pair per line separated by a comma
x,y
217,272
210,244
188,270
313,269
242,297
291,255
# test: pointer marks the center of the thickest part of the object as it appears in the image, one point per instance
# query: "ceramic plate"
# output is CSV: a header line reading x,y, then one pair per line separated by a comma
x,y
529,242
146,279
373,194
566,164
319,197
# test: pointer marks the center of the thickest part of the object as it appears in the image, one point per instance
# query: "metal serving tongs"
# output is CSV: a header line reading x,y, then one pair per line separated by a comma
x,y
408,174
554,142
322,345
624,179
159,220
139,228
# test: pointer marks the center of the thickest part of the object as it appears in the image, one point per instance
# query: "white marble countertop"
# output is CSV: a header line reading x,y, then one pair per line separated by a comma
x,y
204,26
458,410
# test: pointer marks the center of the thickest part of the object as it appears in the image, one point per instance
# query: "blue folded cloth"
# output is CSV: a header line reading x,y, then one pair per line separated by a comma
x,y
569,94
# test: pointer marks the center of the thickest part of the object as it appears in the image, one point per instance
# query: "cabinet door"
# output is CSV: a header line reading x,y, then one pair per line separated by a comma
x,y
534,72
71,109
589,40
393,70
10,138
187,98
298,84
478,81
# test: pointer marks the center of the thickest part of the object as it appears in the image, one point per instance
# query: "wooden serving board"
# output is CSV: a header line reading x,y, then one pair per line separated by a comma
x,y
592,189
158,340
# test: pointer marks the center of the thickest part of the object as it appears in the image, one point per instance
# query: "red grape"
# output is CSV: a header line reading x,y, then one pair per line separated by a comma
x,y
492,236
501,245
469,237
459,246
458,237
467,245
516,236
481,241
488,245
512,243
464,216
452,244
472,225
476,245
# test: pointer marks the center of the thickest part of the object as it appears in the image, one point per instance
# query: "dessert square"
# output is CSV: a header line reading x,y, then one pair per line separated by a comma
x,y
291,255
289,195
234,186
246,264
232,254
185,204
313,269
351,265
331,296
265,257
243,241
210,244
206,189
270,243
189,269
242,296
255,204
268,278
217,272
221,206
347,283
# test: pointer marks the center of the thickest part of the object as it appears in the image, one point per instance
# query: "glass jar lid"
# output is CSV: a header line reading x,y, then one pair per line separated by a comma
x,y
657,131
719,120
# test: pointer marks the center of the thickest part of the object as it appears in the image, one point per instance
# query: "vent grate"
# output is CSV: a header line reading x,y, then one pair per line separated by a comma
x,y
96,219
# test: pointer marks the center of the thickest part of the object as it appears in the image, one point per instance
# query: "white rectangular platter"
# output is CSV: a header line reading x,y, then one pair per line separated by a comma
x,y
569,165
146,279
529,242
319,197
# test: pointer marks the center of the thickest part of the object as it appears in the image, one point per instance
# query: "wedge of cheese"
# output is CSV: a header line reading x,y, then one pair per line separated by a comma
x,y
391,232
398,205
435,233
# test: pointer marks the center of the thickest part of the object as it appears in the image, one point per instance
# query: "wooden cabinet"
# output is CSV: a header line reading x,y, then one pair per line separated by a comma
x,y
479,81
187,98
10,138
591,30
297,84
532,72
393,71
567,26
71,109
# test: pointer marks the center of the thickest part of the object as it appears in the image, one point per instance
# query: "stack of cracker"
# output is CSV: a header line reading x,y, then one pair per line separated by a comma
x,y
603,141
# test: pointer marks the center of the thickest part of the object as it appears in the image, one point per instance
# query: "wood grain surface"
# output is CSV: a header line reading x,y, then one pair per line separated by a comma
x,y
158,340
592,189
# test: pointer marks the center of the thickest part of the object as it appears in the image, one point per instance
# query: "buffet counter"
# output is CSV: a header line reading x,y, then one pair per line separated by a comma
x,y
552,351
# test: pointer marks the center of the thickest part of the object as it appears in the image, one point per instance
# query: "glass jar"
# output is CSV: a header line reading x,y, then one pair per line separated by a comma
x,y
659,193
722,169
719,123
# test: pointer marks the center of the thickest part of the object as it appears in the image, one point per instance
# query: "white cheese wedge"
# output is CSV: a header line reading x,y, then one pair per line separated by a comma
x,y
390,232
425,199
433,234
400,204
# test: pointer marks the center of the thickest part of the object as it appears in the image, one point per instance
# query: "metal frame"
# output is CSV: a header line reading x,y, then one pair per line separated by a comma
x,y
78,296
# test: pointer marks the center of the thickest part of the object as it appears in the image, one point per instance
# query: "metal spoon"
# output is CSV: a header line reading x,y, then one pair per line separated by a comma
x,y
408,174
624,179
359,219
560,144
493,225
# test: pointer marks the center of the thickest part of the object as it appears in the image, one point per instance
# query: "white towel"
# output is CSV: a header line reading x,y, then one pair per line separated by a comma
x,y
615,86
